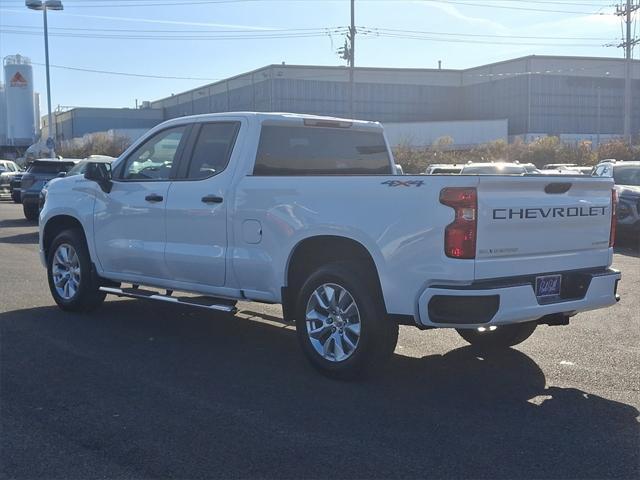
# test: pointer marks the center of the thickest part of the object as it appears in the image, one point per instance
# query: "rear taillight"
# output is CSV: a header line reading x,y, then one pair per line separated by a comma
x,y
460,235
27,180
614,217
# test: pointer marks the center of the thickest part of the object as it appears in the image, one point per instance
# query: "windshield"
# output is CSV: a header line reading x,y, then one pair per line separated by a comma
x,y
79,169
50,167
628,175
445,171
493,170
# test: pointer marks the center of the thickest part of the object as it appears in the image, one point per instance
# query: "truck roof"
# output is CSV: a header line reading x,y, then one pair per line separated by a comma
x,y
279,117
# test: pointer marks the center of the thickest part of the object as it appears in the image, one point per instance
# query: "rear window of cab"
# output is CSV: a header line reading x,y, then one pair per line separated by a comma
x,y
303,150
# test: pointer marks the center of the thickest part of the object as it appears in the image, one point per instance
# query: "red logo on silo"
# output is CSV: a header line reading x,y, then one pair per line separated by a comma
x,y
18,80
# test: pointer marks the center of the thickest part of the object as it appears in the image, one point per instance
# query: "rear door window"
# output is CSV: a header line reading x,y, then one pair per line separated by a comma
x,y
293,150
212,149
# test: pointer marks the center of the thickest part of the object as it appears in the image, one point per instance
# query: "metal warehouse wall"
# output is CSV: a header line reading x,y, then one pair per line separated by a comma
x,y
379,94
372,101
500,98
381,102
568,104
542,95
78,122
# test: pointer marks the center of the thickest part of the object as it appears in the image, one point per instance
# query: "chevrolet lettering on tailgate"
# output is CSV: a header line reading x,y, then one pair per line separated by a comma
x,y
551,212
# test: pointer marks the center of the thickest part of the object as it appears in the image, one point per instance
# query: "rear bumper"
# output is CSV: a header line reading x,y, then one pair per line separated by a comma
x,y
498,303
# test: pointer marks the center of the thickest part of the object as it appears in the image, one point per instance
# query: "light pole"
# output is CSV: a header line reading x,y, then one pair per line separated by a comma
x,y
44,6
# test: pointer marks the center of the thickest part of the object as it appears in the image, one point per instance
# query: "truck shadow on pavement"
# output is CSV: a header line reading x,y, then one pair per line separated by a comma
x,y
21,238
137,389
17,222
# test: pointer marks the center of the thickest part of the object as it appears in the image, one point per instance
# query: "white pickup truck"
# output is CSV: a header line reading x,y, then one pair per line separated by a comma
x,y
308,212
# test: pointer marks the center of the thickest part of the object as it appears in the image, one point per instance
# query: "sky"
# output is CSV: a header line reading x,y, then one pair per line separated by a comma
x,y
199,41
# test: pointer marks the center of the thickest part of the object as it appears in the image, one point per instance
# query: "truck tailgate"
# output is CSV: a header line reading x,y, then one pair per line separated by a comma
x,y
539,224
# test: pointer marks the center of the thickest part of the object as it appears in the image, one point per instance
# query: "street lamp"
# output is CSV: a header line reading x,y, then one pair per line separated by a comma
x,y
44,6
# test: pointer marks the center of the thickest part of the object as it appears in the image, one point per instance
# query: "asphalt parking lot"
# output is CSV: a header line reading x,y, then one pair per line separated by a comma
x,y
145,390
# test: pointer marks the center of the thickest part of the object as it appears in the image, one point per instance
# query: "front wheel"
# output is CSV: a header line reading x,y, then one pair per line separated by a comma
x,y
341,322
502,337
73,285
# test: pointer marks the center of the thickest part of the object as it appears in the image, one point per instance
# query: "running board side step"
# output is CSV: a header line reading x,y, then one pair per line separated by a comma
x,y
211,303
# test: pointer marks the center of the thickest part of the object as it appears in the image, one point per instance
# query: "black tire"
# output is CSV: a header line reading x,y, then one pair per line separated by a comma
x,y
503,337
30,212
378,334
15,196
88,296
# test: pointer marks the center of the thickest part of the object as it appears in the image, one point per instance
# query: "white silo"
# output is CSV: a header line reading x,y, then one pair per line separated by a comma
x,y
18,80
3,116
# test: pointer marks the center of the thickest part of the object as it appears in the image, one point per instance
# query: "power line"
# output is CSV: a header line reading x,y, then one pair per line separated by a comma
x,y
511,7
369,32
138,30
126,5
375,29
127,74
218,37
572,4
374,34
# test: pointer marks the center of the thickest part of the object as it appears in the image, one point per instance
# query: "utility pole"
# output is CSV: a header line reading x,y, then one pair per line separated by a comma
x,y
45,6
626,12
352,58
347,52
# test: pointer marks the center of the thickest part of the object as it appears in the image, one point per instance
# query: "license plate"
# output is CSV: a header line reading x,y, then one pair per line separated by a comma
x,y
548,285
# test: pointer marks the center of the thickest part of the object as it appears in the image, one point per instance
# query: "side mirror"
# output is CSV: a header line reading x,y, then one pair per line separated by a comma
x,y
101,174
62,174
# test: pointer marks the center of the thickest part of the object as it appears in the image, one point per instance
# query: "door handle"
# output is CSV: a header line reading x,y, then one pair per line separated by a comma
x,y
212,199
154,197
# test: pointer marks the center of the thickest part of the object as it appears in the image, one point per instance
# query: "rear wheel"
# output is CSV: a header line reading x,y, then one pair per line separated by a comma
x,y
502,337
341,322
73,284
30,212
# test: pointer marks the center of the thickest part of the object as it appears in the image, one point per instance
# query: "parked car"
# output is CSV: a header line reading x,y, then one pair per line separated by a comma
x,y
37,175
530,168
626,176
8,170
79,169
557,166
495,168
308,212
559,171
14,186
443,169
579,170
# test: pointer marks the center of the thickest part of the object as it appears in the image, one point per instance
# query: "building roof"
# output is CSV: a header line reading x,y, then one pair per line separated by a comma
x,y
342,68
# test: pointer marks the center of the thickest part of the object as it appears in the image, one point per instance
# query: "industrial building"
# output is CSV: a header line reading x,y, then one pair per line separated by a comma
x,y
78,122
572,97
